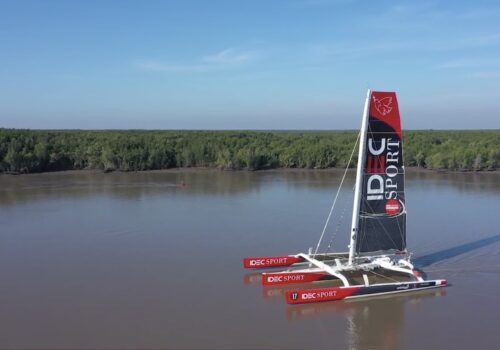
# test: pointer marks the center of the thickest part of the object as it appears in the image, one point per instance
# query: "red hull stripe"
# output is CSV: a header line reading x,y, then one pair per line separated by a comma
x,y
269,279
270,261
315,295
337,293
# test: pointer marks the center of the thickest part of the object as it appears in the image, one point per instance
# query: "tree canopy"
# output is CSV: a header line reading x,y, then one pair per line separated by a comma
x,y
29,151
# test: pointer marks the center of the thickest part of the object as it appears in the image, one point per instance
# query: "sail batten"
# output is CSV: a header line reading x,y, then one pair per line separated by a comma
x,y
382,210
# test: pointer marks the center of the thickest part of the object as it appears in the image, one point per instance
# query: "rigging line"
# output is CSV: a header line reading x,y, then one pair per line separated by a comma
x,y
379,217
336,196
384,276
402,234
339,222
405,223
360,235
377,220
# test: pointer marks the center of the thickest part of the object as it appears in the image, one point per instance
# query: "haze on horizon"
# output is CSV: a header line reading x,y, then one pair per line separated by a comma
x,y
299,64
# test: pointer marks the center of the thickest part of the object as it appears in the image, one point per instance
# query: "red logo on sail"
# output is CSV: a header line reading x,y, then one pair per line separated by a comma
x,y
375,164
392,207
383,106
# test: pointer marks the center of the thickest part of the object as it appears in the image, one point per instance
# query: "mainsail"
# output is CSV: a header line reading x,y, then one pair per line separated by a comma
x,y
382,211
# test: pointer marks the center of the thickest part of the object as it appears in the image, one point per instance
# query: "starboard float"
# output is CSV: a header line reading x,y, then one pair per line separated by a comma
x,y
378,261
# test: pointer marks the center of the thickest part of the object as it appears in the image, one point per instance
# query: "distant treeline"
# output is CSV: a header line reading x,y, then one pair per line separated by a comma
x,y
29,151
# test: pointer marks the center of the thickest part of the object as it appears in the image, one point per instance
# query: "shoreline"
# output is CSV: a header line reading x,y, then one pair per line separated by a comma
x,y
411,169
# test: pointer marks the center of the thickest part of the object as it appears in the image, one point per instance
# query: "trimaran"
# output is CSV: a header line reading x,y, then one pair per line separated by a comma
x,y
378,261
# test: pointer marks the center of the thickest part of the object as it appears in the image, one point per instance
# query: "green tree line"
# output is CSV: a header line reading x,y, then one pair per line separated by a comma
x,y
29,151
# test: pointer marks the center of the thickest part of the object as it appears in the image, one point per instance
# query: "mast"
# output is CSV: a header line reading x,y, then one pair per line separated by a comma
x,y
359,179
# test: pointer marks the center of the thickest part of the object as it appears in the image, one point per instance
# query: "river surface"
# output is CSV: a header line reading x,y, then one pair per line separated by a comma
x,y
154,260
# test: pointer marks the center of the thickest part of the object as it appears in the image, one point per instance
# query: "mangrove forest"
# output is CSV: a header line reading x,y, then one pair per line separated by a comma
x,y
30,151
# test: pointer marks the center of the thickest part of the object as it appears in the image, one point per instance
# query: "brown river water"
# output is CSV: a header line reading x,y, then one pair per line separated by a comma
x,y
154,260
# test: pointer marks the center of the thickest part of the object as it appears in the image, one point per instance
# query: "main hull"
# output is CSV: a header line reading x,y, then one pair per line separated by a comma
x,y
314,295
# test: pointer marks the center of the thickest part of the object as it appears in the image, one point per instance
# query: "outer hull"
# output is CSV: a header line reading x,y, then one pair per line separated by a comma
x,y
259,262
270,278
355,277
314,295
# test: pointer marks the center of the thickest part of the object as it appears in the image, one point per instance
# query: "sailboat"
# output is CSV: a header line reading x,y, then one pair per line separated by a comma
x,y
378,261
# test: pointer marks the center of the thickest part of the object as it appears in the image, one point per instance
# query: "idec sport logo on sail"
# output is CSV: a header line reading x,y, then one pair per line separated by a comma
x,y
392,207
382,168
383,105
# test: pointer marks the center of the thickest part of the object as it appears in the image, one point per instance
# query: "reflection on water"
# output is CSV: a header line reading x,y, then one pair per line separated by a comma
x,y
371,323
374,323
122,185
153,260
210,182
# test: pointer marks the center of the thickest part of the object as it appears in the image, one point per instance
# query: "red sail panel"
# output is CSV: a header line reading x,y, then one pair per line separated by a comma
x,y
384,107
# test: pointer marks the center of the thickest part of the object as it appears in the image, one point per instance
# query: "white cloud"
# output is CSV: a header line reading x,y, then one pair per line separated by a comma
x,y
354,50
486,75
478,13
319,3
467,63
169,67
226,58
230,56
324,51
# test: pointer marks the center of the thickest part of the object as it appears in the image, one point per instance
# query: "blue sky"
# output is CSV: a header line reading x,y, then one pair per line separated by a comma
x,y
297,64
